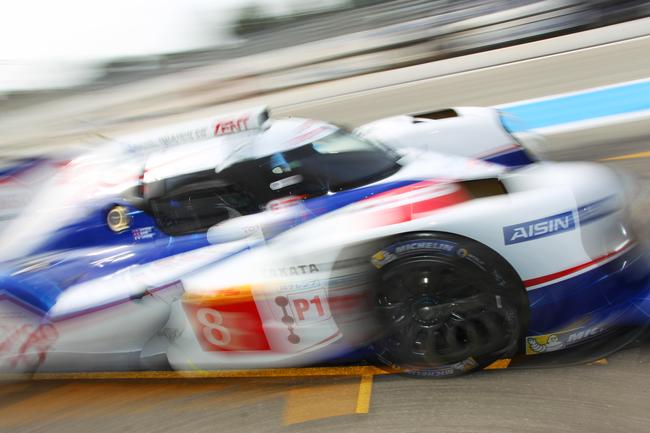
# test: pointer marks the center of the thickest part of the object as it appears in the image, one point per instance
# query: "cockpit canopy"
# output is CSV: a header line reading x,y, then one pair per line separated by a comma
x,y
333,162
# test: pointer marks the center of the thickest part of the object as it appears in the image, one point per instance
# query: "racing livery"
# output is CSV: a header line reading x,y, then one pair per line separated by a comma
x,y
435,243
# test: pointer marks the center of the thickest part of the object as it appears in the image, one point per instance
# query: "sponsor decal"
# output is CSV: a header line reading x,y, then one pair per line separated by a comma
x,y
382,258
309,308
143,233
170,334
300,286
283,303
393,252
465,254
25,338
227,325
229,126
310,134
543,343
551,342
26,346
293,270
584,333
539,228
285,202
300,309
460,367
190,135
287,181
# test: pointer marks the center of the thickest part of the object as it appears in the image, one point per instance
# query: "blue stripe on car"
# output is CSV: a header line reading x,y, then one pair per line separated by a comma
x,y
20,166
598,294
514,158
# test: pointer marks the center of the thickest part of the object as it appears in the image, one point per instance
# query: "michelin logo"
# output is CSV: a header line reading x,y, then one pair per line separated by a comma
x,y
392,252
539,228
551,342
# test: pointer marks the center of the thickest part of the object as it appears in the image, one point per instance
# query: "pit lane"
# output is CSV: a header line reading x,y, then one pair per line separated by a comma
x,y
591,390
605,396
603,392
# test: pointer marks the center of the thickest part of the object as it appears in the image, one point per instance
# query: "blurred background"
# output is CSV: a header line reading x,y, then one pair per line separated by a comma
x,y
76,45
79,66
74,73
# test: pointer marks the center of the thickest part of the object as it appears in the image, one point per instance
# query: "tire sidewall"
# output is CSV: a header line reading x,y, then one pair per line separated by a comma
x,y
473,256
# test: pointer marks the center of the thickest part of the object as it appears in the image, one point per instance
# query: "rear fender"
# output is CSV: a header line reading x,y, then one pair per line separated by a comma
x,y
467,131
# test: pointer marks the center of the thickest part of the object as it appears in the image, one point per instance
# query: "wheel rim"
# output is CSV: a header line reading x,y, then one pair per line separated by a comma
x,y
437,311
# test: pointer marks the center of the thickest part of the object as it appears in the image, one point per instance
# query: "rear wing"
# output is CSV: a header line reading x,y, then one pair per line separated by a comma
x,y
198,130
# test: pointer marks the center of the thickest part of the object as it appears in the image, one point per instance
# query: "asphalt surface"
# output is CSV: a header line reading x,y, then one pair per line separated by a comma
x,y
608,396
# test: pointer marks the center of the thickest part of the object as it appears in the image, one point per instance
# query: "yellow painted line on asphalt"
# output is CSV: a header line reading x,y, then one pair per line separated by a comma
x,y
346,371
321,400
365,393
602,361
339,396
499,364
637,155
203,374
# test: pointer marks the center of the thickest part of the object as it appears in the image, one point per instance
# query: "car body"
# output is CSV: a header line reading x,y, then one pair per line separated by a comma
x,y
244,242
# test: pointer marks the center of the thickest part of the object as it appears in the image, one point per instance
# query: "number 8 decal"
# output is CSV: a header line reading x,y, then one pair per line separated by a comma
x,y
213,321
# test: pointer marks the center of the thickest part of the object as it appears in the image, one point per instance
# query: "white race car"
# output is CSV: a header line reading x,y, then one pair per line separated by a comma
x,y
437,243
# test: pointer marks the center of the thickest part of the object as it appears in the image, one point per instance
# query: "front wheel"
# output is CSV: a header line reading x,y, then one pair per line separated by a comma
x,y
446,305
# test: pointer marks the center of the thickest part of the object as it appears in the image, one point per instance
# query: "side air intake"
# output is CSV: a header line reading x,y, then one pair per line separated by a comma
x,y
436,115
480,188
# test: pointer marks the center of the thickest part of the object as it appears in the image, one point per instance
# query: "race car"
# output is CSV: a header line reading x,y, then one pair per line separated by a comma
x,y
435,243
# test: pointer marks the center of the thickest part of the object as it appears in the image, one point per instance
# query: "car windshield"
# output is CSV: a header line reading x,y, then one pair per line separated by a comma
x,y
339,161
329,164
198,206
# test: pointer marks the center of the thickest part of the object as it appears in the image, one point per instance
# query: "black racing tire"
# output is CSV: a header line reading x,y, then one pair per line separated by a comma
x,y
445,305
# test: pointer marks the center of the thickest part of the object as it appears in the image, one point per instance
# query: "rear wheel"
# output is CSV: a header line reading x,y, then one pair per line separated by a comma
x,y
446,305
